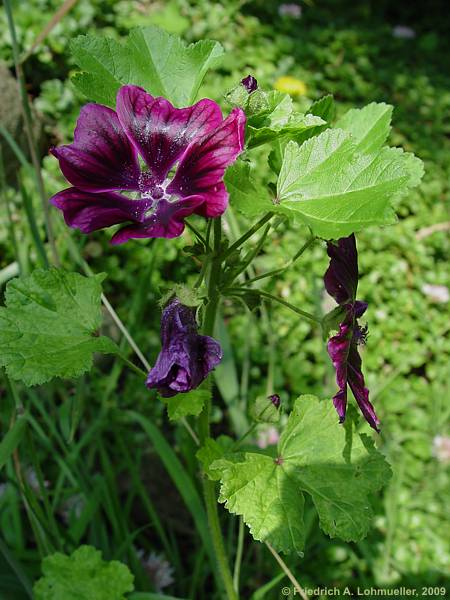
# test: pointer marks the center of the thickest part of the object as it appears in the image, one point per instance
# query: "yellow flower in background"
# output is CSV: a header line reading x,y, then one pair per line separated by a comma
x,y
291,85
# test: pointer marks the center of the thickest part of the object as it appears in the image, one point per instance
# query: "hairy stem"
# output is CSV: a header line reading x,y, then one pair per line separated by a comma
x,y
209,489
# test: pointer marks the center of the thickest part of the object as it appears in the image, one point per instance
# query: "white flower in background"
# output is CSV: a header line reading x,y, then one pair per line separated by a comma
x,y
290,10
441,448
33,481
438,293
403,32
267,437
158,569
73,506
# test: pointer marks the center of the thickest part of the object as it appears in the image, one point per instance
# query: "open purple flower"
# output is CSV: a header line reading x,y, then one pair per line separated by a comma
x,y
186,357
341,282
185,152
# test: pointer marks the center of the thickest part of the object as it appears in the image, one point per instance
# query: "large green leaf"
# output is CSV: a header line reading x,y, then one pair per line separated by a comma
x,y
315,455
369,126
161,63
49,327
83,576
338,190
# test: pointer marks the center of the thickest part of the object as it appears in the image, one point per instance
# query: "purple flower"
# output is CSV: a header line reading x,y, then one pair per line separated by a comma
x,y
275,399
250,83
341,282
186,357
185,152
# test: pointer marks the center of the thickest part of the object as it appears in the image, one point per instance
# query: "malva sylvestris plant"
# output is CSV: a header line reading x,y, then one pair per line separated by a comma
x,y
149,157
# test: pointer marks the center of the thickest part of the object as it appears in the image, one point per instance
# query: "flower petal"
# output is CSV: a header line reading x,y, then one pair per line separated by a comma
x,y
159,131
203,165
357,385
186,357
338,349
341,277
89,212
167,221
101,158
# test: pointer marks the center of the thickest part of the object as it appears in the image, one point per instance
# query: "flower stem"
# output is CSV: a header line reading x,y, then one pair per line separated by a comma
x,y
238,243
269,296
209,490
306,245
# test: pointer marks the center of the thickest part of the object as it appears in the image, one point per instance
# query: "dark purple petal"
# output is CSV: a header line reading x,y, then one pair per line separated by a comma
x,y
159,131
186,357
357,385
250,83
343,352
167,221
275,399
101,158
203,165
89,212
338,349
341,277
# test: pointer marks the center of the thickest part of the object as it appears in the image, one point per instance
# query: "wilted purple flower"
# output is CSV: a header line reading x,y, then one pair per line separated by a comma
x,y
250,83
275,399
186,357
103,159
341,282
290,10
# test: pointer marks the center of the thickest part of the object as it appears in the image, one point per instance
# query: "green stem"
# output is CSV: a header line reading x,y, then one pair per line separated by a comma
x,y
209,489
306,245
247,235
28,121
299,311
239,553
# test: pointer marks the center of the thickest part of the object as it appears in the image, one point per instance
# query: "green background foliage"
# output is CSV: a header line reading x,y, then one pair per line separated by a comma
x,y
93,473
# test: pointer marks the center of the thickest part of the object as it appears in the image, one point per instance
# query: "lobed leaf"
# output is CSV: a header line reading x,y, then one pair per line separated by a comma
x,y
317,456
338,190
161,63
49,326
83,576
189,403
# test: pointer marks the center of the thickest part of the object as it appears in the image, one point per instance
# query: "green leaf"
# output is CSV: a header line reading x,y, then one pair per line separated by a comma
x,y
49,327
263,410
211,451
83,576
278,121
11,440
323,108
189,403
369,126
337,190
246,194
161,63
317,456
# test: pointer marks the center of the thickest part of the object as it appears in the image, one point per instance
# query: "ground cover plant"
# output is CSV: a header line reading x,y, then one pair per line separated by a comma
x,y
238,388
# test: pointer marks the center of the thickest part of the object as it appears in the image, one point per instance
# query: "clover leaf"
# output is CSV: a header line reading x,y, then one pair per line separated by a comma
x,y
316,455
82,576
49,326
